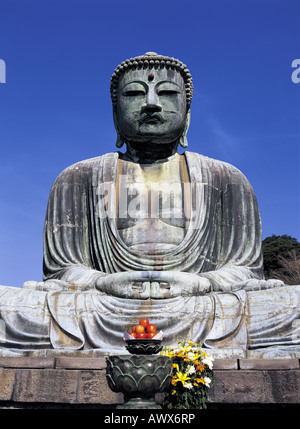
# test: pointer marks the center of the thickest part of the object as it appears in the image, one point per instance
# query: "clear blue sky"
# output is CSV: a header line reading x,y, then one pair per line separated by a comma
x,y
56,110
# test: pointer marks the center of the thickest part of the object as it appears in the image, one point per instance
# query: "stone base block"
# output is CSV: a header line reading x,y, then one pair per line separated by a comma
x,y
80,382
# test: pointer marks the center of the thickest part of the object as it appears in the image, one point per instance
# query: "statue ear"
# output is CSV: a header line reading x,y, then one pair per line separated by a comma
x,y
183,139
120,138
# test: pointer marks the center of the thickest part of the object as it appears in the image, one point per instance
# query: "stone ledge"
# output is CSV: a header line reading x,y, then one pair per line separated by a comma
x,y
81,381
99,363
27,362
80,363
226,364
268,364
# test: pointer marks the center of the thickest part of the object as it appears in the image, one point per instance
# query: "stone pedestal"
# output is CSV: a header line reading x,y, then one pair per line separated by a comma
x,y
80,382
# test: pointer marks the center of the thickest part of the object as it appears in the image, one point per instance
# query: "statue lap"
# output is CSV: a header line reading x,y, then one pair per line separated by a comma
x,y
253,320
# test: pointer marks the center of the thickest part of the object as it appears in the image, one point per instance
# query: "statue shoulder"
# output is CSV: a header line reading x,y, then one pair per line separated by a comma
x,y
84,169
215,169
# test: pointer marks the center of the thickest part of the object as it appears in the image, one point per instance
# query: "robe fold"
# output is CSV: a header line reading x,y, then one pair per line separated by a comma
x,y
82,244
222,243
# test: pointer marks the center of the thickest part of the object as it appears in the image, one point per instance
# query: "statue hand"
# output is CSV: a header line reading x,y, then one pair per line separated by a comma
x,y
134,285
256,284
48,285
153,284
55,285
177,283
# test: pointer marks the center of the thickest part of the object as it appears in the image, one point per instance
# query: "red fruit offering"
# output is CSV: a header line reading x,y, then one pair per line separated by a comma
x,y
139,329
143,330
144,322
151,328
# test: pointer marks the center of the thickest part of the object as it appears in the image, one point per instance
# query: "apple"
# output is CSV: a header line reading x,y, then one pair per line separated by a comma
x,y
139,329
151,328
144,322
141,335
151,334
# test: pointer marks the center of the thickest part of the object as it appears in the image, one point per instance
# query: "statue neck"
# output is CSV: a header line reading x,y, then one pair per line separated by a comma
x,y
149,152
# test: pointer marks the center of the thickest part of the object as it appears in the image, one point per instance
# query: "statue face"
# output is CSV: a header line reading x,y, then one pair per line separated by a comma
x,y
151,105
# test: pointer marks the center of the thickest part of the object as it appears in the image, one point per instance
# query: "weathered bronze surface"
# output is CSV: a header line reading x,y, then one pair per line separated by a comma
x,y
139,378
149,232
144,347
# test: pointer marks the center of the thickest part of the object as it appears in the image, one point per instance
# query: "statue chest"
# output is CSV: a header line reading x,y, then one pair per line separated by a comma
x,y
150,206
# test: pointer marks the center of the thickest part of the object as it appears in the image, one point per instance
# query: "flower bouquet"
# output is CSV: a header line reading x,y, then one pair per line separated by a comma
x,y
191,377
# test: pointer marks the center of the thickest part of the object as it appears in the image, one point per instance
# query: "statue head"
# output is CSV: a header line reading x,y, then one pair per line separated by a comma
x,y
151,96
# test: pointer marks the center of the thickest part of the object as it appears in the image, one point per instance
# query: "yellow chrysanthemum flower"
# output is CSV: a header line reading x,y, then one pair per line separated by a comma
x,y
174,380
175,365
199,380
200,368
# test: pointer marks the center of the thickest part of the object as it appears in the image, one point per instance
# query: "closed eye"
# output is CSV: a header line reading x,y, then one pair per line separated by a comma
x,y
133,93
167,92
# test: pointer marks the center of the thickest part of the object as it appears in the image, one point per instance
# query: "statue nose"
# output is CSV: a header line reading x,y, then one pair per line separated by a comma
x,y
152,102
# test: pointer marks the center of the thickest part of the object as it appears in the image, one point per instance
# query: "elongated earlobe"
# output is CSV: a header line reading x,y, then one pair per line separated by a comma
x,y
120,140
183,139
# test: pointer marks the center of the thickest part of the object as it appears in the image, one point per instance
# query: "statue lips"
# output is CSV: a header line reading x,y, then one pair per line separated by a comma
x,y
151,119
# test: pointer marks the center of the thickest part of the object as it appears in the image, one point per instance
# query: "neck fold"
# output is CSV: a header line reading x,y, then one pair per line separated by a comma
x,y
148,153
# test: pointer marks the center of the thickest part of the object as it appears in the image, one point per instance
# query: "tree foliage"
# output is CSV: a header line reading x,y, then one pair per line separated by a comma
x,y
282,258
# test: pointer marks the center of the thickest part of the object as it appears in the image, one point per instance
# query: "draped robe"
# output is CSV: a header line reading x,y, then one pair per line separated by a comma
x,y
223,238
82,244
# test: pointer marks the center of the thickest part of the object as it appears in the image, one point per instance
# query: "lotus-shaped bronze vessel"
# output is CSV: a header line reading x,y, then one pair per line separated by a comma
x,y
139,378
